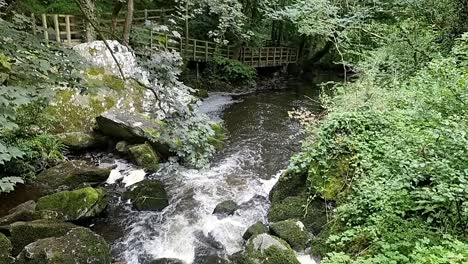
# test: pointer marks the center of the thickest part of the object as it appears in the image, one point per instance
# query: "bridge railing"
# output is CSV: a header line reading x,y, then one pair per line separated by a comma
x,y
268,56
193,49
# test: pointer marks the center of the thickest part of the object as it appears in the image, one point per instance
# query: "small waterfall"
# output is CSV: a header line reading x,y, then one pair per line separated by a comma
x,y
262,138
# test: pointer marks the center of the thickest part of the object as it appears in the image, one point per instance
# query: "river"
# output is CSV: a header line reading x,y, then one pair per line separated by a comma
x,y
261,140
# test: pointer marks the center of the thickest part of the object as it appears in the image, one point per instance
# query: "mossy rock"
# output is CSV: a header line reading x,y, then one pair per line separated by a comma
x,y
268,249
289,184
293,207
144,156
255,229
73,205
5,249
148,195
293,232
79,245
226,208
82,140
122,147
22,212
24,233
331,183
72,174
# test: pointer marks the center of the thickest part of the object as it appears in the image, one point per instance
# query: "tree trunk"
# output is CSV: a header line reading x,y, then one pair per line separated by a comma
x,y
89,11
115,13
128,22
319,54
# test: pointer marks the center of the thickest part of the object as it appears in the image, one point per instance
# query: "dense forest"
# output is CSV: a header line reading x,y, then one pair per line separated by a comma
x,y
102,102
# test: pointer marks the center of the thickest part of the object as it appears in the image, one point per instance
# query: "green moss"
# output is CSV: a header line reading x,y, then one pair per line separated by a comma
x,y
274,255
144,155
79,245
293,232
255,229
203,93
23,233
330,183
148,195
289,184
269,250
94,71
81,140
74,205
294,207
5,249
114,82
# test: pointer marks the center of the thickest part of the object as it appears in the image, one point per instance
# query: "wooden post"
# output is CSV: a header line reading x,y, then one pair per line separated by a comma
x,y
195,49
33,20
146,14
57,28
206,51
162,17
274,56
166,40
44,25
251,57
268,55
67,28
259,56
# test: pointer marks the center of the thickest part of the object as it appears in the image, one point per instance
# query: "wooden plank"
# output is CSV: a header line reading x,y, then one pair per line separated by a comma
x,y
44,26
67,28
206,50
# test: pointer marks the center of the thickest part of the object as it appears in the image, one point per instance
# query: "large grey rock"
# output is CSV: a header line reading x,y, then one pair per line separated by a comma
x,y
69,175
82,140
22,212
148,195
74,205
80,245
23,233
132,127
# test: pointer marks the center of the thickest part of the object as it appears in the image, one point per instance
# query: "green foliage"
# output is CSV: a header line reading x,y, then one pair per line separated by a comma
x,y
29,71
7,184
392,153
232,71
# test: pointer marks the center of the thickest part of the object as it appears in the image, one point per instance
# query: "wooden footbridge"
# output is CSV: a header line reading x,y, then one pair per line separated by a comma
x,y
69,30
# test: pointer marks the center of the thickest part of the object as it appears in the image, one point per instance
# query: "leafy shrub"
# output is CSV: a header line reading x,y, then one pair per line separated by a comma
x,y
232,71
392,154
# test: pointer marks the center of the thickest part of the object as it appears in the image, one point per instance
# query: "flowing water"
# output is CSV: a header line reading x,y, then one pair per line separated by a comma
x,y
262,139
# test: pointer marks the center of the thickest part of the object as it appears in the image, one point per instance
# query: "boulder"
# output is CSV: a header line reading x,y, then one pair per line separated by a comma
x,y
73,205
203,93
5,249
293,207
79,245
82,140
293,232
23,233
69,175
133,128
268,249
255,229
148,195
22,212
121,147
144,156
289,184
226,208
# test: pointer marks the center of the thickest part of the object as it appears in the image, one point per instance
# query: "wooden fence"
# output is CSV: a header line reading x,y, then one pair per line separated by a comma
x,y
69,29
200,50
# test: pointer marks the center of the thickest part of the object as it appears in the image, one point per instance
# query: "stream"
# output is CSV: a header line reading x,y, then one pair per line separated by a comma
x,y
261,140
